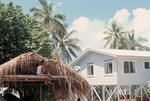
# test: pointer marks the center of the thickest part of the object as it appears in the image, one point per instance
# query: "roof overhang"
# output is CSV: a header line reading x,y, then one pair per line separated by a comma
x,y
87,51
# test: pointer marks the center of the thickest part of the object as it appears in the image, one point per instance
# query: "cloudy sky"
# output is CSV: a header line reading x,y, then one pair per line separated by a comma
x,y
89,17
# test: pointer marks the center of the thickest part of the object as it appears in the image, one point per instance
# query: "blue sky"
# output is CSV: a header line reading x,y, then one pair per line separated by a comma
x,y
89,17
102,9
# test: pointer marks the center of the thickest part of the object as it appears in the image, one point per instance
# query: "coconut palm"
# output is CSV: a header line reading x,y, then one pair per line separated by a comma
x,y
133,43
67,46
53,22
114,33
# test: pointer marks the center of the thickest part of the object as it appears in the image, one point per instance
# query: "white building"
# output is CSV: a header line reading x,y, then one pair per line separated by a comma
x,y
118,72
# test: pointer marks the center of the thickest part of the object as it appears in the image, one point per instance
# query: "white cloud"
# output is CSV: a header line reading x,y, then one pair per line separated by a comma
x,y
89,31
141,20
81,24
122,16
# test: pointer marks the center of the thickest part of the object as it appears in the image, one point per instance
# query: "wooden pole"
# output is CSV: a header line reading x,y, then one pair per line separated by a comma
x,y
118,97
103,90
94,91
69,90
130,91
92,94
54,95
40,92
141,94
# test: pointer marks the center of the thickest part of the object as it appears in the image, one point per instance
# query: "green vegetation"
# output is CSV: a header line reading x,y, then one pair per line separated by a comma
x,y
67,46
45,32
114,32
54,24
118,38
40,40
20,33
132,43
15,32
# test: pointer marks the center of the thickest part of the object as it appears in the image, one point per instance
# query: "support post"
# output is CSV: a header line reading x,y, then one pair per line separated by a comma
x,y
129,91
118,93
146,94
103,92
109,94
94,91
135,95
69,89
141,94
54,95
40,92
112,93
92,94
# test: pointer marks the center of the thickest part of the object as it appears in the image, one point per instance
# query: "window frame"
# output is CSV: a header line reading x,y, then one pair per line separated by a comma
x,y
134,68
90,74
144,65
106,62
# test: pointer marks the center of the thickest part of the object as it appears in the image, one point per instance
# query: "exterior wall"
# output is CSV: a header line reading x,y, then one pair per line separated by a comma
x,y
99,77
141,75
118,77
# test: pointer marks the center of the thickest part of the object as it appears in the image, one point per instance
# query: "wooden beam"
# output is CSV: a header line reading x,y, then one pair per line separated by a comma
x,y
24,78
34,78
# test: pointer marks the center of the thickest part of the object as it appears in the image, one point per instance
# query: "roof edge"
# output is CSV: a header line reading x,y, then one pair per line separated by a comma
x,y
90,50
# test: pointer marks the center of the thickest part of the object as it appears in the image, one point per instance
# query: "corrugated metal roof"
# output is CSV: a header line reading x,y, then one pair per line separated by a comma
x,y
118,52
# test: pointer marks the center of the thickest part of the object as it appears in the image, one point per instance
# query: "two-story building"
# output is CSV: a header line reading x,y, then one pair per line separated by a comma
x,y
119,72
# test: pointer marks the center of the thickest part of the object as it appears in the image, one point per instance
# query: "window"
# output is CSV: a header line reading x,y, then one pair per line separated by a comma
x,y
147,65
129,67
108,68
90,69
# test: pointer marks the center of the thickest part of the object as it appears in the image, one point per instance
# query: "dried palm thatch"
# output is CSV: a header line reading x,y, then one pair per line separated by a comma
x,y
26,64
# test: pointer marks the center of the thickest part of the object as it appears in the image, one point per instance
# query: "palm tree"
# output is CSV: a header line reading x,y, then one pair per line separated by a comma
x,y
132,43
62,45
53,22
67,46
114,33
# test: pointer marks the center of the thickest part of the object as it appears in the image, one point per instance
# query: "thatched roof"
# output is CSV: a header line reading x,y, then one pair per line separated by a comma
x,y
25,64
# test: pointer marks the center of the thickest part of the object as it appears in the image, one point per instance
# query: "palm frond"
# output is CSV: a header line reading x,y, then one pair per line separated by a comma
x,y
57,27
106,38
34,9
60,17
72,52
44,4
46,20
50,9
69,34
146,48
66,56
75,47
114,32
72,41
141,39
108,41
38,13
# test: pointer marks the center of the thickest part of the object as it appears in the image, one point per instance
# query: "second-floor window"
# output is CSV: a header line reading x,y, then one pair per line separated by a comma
x,y
90,69
108,68
129,67
147,65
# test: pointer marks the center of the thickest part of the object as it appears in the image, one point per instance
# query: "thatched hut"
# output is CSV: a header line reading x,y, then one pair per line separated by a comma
x,y
65,83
